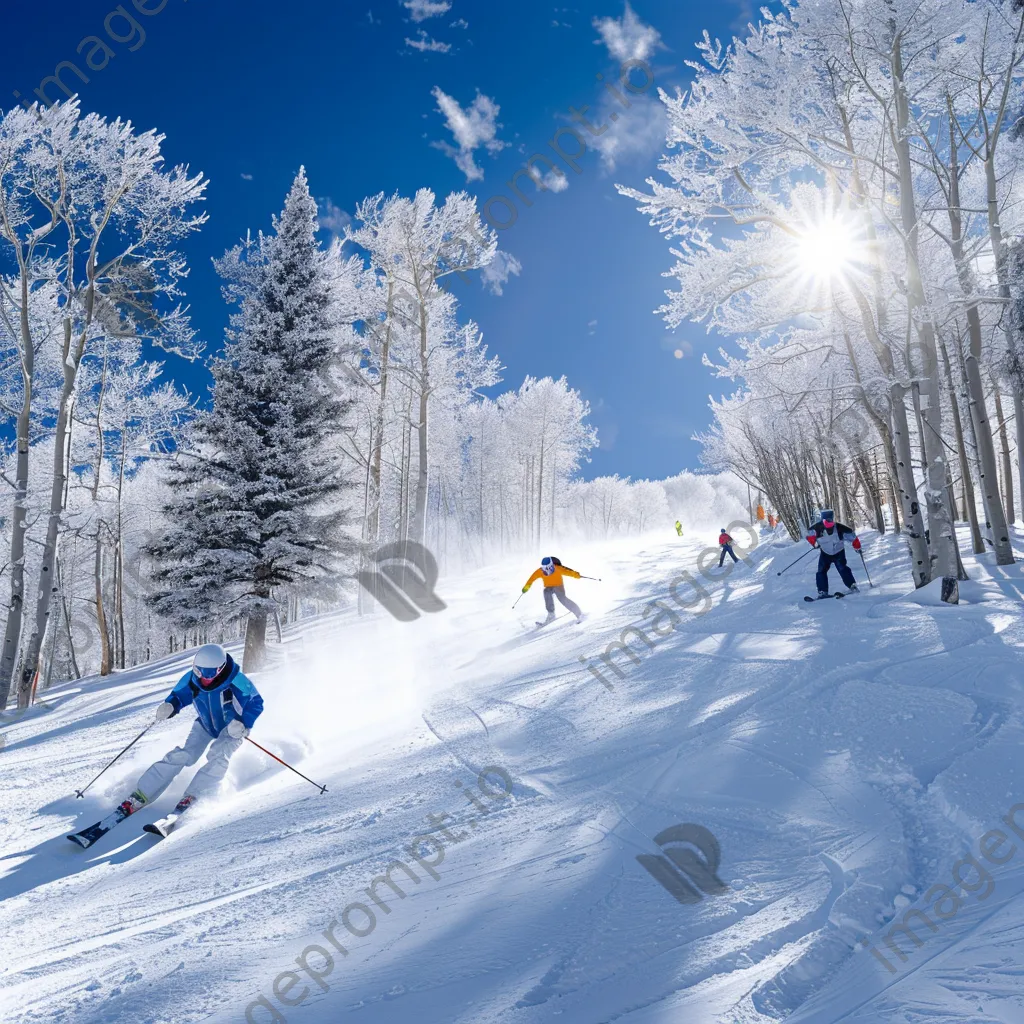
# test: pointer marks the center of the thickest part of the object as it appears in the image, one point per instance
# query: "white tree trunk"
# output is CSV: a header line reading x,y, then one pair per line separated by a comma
x,y
942,536
19,528
47,585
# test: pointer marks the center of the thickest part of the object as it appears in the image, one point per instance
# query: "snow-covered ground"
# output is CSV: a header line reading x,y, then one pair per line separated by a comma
x,y
845,755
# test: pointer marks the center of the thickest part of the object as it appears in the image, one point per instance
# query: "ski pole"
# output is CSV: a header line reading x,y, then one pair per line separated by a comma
x,y
791,564
323,789
518,599
597,578
81,792
865,564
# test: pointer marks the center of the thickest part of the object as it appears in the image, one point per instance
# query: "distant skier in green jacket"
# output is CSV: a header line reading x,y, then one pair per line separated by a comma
x,y
679,528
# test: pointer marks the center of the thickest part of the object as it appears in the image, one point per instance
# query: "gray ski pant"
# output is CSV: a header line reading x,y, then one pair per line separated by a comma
x,y
206,781
550,593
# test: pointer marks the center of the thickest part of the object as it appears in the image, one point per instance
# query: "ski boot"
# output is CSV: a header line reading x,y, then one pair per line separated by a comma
x,y
164,826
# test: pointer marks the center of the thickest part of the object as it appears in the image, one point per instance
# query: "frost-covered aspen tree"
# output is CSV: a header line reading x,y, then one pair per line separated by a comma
x,y
414,244
87,204
29,323
996,58
818,137
124,417
942,541
949,172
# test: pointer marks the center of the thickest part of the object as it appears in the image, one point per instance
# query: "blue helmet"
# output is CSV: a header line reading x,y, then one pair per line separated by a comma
x,y
547,565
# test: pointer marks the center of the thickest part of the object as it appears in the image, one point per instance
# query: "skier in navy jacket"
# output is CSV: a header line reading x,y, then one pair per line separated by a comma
x,y
227,705
830,538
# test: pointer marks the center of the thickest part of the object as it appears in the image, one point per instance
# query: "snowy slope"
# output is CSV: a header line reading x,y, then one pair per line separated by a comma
x,y
845,755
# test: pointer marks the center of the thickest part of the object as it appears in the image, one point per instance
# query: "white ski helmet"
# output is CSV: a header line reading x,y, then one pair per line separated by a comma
x,y
210,659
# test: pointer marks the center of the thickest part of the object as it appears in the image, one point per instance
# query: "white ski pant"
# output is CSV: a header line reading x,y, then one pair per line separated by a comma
x,y
205,782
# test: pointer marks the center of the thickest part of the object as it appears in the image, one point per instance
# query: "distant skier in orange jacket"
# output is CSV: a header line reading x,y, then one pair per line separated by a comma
x,y
551,572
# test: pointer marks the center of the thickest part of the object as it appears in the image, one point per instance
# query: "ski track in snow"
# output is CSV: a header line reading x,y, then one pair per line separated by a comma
x,y
844,754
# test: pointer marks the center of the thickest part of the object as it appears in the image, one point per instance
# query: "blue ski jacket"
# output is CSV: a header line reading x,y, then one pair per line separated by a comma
x,y
233,697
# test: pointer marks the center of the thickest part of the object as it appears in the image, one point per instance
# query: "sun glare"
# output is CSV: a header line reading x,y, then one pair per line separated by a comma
x,y
827,250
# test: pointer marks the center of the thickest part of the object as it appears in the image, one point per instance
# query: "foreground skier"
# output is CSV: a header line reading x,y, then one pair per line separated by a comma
x,y
551,571
830,538
227,704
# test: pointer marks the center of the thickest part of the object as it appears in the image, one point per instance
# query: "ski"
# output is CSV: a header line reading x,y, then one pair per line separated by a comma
x,y
557,618
87,836
825,598
162,827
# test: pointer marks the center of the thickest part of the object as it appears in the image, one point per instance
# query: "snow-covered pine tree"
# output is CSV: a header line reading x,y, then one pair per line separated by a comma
x,y
257,509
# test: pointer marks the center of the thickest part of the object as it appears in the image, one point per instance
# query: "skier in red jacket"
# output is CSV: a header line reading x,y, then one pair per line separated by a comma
x,y
725,542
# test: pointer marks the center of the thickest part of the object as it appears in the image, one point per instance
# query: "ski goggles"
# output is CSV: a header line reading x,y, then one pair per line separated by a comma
x,y
207,673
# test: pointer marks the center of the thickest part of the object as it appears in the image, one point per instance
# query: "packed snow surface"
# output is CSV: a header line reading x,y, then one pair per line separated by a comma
x,y
851,759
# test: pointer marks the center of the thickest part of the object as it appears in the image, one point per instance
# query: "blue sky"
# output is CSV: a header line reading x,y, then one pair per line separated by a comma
x,y
383,96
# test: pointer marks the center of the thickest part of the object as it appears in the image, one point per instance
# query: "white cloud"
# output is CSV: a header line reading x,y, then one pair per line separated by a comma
x,y
246,177
332,218
460,23
637,130
420,10
744,16
555,180
427,44
627,38
591,324
551,180
636,133
496,274
473,126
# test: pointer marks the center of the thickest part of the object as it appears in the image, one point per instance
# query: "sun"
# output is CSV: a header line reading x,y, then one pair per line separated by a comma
x,y
827,249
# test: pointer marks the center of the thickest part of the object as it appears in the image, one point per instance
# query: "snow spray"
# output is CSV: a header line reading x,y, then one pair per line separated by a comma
x,y
663,619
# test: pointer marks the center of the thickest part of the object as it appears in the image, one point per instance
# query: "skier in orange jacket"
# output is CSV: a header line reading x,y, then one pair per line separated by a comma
x,y
552,571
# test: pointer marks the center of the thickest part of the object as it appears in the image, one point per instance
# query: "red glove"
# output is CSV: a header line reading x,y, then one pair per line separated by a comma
x,y
856,543
812,539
